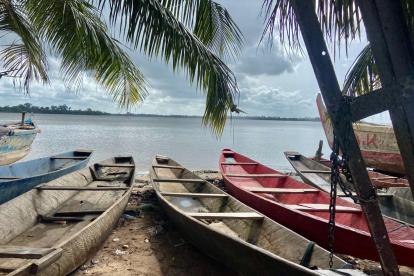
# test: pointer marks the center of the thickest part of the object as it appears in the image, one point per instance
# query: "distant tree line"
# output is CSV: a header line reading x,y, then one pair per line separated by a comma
x,y
60,109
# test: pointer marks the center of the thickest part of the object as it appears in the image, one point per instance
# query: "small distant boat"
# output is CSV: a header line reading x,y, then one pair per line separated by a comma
x,y
305,210
377,142
57,226
229,231
16,140
392,200
21,177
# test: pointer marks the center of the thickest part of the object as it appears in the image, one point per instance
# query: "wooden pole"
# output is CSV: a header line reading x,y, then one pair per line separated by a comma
x,y
394,56
328,84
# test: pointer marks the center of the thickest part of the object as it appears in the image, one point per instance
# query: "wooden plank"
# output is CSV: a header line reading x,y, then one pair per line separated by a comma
x,y
167,167
68,158
116,165
240,164
46,219
308,207
23,252
281,190
237,215
74,188
10,177
193,195
45,261
270,175
318,53
78,212
372,103
384,178
315,171
178,180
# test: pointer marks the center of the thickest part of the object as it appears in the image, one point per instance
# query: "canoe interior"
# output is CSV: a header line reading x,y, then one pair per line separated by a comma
x,y
43,165
349,222
262,235
57,218
395,203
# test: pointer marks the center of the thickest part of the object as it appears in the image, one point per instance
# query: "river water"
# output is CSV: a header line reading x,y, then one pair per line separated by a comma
x,y
183,139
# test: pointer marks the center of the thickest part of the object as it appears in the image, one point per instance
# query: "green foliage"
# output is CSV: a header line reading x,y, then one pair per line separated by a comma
x,y
74,31
340,21
154,29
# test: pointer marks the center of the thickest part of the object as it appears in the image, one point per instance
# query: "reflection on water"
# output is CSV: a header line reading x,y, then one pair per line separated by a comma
x,y
183,139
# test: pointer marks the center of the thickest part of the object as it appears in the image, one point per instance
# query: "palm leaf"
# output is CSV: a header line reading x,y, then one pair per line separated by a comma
x,y
340,21
153,28
362,77
75,32
25,59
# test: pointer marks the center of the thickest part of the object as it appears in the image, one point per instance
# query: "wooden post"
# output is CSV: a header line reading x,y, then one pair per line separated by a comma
x,y
394,56
23,116
328,84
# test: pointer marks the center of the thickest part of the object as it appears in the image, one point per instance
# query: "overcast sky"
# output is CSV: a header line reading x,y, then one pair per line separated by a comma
x,y
271,83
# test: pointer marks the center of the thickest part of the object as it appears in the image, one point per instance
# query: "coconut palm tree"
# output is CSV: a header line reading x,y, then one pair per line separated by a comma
x,y
341,23
193,35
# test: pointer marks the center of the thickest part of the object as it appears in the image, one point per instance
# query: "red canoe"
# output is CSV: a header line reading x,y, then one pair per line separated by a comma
x,y
304,209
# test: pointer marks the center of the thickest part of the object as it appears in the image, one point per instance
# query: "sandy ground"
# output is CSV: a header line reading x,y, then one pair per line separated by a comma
x,y
145,243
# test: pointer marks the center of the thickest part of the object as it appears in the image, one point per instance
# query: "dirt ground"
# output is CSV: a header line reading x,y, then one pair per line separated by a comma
x,y
145,243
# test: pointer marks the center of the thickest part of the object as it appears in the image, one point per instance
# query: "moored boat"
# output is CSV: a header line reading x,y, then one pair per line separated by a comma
x,y
21,177
305,209
57,226
231,232
392,203
16,140
377,142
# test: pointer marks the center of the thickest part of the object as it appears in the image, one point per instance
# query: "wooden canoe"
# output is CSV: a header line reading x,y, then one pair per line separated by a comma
x,y
378,179
21,177
304,209
391,200
229,231
16,141
56,227
377,142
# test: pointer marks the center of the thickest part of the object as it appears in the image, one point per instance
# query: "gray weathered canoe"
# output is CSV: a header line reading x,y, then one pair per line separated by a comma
x,y
56,227
21,177
229,231
394,202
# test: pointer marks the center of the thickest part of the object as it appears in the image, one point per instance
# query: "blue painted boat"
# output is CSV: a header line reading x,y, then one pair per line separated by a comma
x,y
21,177
16,140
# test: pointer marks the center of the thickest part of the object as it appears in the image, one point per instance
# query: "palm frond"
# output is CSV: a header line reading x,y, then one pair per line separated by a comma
x,y
27,59
153,28
74,30
340,21
362,77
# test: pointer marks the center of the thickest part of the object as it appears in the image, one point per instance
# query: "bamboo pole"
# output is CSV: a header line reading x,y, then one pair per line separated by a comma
x,y
328,84
394,55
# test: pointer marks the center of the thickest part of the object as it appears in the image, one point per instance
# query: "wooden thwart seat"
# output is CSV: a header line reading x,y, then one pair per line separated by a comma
x,y
315,171
10,177
237,215
281,190
308,207
194,195
23,252
74,188
239,163
178,180
69,158
116,165
168,167
268,175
